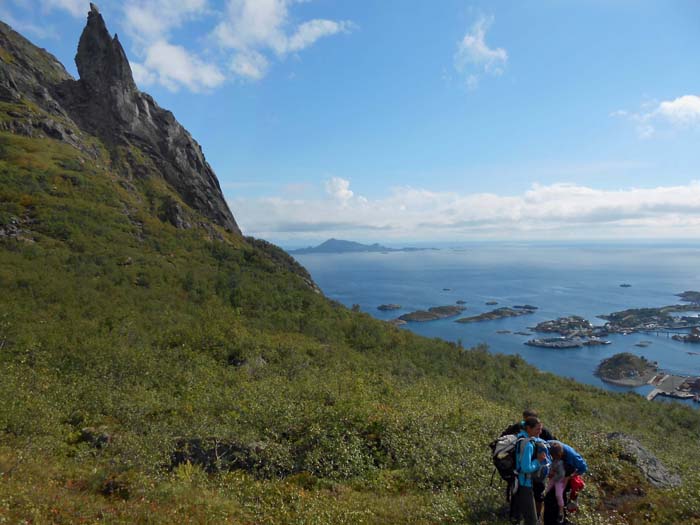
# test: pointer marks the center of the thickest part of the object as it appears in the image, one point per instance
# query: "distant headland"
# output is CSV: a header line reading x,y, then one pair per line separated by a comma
x,y
342,246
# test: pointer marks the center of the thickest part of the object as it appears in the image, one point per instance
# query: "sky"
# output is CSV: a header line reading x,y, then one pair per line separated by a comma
x,y
402,121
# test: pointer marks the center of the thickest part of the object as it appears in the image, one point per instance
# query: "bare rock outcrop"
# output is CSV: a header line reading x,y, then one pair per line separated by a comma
x,y
653,470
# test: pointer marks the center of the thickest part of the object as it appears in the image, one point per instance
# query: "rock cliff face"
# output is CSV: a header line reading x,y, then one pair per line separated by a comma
x,y
106,103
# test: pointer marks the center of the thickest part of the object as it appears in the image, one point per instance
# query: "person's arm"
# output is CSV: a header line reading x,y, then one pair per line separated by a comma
x,y
529,465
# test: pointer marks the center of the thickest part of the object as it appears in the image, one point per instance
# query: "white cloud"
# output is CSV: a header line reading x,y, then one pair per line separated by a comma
x,y
553,211
339,189
26,27
251,24
77,8
253,27
142,75
174,66
474,57
680,113
309,32
249,64
149,24
149,21
249,32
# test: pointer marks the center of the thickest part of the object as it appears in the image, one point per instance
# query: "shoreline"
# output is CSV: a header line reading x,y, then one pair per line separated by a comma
x,y
630,381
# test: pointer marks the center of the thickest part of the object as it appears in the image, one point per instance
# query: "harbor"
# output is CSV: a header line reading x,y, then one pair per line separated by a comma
x,y
679,387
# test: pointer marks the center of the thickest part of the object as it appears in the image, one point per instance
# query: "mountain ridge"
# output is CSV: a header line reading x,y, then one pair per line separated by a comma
x,y
106,103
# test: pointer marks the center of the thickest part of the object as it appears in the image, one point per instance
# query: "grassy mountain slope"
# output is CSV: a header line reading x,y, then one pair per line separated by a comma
x,y
128,347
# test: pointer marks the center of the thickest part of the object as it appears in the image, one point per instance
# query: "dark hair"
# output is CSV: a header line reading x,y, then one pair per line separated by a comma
x,y
531,422
556,450
528,412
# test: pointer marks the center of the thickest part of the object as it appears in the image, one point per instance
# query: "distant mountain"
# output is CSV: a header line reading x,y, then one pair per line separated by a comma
x,y
341,246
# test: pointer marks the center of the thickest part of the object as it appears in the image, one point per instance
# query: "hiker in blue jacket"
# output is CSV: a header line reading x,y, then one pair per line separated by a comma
x,y
537,486
526,465
573,460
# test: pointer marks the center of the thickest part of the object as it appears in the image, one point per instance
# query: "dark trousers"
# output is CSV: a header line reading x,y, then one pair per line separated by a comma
x,y
525,504
550,515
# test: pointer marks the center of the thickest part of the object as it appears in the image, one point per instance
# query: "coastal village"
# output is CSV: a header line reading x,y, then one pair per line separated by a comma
x,y
575,332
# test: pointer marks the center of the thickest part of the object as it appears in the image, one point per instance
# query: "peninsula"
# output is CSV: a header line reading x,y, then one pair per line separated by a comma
x,y
342,246
651,319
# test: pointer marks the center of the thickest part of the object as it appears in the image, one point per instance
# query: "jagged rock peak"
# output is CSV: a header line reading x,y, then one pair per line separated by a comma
x,y
101,60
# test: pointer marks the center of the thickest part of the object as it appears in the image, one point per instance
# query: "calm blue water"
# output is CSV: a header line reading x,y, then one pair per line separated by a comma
x,y
575,279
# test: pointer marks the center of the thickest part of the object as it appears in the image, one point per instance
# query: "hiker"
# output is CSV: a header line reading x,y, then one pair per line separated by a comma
x,y
515,428
537,486
574,466
557,480
527,463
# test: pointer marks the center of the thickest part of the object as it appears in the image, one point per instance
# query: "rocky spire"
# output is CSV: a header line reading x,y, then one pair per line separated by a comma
x,y
101,60
106,103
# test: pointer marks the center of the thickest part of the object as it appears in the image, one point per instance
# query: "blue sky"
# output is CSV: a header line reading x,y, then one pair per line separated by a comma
x,y
401,121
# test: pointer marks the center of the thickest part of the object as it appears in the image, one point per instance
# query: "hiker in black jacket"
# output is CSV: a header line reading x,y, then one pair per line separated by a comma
x,y
515,428
537,487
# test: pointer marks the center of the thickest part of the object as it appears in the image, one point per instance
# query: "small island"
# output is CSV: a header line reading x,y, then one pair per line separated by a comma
x,y
498,313
567,326
555,342
432,314
626,369
388,307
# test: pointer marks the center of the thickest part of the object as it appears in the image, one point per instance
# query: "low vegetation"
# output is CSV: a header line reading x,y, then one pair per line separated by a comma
x,y
158,375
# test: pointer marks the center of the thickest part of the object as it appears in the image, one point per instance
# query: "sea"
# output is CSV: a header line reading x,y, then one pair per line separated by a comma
x,y
561,279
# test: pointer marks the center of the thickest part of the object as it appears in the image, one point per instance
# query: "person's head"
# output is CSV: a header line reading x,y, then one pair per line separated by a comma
x,y
556,450
532,426
528,412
